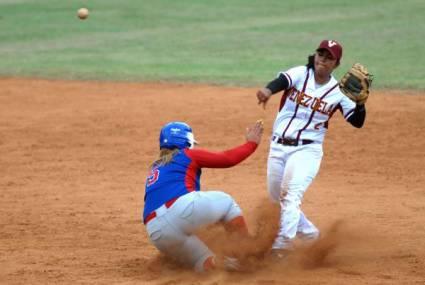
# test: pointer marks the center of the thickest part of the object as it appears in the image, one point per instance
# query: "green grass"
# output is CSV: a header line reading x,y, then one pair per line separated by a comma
x,y
232,42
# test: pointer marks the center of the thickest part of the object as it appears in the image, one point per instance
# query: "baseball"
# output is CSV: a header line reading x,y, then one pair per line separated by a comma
x,y
83,13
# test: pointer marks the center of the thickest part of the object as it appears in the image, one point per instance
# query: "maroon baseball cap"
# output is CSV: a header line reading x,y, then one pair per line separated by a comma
x,y
333,47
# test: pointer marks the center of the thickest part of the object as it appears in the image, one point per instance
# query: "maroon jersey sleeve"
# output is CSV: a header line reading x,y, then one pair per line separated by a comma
x,y
228,158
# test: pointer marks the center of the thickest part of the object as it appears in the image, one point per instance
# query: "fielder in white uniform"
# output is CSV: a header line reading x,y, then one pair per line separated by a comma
x,y
311,97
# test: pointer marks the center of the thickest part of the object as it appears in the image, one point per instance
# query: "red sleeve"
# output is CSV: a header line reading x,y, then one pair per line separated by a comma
x,y
228,158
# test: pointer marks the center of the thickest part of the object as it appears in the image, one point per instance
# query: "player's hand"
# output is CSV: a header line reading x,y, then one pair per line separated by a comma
x,y
254,133
263,95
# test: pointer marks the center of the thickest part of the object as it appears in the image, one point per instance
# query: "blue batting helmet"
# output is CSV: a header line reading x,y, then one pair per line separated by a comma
x,y
176,135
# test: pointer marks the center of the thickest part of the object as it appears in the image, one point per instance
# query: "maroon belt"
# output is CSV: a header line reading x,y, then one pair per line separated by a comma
x,y
152,215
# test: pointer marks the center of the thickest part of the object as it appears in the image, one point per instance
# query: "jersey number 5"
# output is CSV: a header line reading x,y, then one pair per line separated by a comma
x,y
153,177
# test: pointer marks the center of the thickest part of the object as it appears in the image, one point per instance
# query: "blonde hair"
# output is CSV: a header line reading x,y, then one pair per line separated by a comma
x,y
165,156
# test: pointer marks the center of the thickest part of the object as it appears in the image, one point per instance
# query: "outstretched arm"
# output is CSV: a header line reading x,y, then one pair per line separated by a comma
x,y
231,157
274,86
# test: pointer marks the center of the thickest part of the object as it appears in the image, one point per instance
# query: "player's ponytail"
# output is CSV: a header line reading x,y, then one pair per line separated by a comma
x,y
310,62
165,156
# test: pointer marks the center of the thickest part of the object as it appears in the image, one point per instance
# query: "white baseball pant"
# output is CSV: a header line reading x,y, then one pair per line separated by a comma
x,y
290,170
171,231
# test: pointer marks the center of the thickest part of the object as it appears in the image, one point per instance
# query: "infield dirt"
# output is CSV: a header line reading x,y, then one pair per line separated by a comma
x,y
73,161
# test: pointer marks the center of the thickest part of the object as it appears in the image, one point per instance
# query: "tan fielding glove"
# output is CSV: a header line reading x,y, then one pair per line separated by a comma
x,y
355,84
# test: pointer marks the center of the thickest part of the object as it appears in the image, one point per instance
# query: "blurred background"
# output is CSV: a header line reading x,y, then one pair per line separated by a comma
x,y
225,42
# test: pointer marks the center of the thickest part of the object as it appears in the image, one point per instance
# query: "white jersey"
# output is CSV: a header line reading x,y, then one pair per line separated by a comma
x,y
306,107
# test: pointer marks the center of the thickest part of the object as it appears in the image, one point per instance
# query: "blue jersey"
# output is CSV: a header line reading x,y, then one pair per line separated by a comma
x,y
182,174
169,181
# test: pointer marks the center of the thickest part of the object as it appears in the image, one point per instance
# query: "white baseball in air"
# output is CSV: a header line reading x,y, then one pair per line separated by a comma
x,y
83,13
